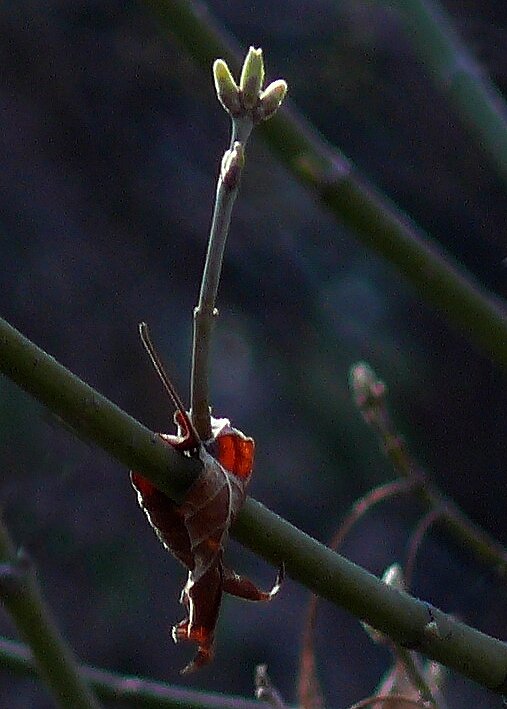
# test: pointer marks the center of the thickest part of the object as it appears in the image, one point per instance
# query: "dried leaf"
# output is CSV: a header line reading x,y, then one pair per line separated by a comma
x,y
195,531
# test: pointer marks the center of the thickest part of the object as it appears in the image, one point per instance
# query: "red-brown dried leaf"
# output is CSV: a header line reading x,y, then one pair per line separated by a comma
x,y
196,530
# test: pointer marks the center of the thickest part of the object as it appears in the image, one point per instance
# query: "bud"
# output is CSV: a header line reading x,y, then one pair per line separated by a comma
x,y
431,630
367,390
393,576
232,165
271,99
252,78
226,88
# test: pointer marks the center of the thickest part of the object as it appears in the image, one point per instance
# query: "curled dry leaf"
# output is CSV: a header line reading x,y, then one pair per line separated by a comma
x,y
196,530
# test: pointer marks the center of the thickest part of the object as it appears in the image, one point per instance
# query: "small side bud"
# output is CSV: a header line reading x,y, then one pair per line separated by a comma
x,y
431,630
226,88
367,390
271,99
252,78
232,165
393,576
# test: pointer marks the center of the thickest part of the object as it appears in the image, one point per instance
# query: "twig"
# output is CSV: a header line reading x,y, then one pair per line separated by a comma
x,y
398,615
140,692
415,542
394,699
415,676
376,221
309,691
458,75
265,691
53,659
247,105
370,397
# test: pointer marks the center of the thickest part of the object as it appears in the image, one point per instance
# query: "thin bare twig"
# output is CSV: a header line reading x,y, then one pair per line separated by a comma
x,y
370,397
247,105
265,691
309,691
394,699
415,542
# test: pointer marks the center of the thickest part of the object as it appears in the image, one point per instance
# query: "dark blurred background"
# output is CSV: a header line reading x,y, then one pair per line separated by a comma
x,y
109,150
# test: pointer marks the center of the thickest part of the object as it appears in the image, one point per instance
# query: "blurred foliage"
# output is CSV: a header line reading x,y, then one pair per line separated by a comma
x,y
109,150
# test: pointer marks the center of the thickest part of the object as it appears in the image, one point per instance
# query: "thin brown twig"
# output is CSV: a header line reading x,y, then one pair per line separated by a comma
x,y
309,690
370,397
415,542
388,699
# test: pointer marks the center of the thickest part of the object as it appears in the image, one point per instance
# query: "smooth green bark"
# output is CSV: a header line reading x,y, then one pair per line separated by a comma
x,y
394,613
53,659
469,90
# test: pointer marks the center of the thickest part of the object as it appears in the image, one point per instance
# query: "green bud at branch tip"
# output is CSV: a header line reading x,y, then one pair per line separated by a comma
x,y
271,99
365,386
252,78
226,88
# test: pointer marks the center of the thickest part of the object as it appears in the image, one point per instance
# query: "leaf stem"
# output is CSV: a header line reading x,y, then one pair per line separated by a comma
x,y
53,658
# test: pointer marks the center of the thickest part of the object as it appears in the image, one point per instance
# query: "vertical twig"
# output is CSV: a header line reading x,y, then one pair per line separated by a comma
x,y
247,105
55,661
205,312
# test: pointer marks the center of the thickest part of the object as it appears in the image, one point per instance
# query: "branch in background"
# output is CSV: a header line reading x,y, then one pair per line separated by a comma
x,y
377,222
458,75
141,693
370,398
53,659
403,618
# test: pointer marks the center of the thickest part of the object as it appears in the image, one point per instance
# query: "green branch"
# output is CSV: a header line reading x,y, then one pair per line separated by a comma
x,y
140,692
404,619
52,658
458,75
378,223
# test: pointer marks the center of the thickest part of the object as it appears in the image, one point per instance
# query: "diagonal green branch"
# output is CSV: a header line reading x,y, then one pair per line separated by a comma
x,y
140,692
52,658
404,619
376,221
458,75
